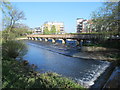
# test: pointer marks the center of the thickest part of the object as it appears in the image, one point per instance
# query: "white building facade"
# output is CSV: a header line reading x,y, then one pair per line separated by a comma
x,y
84,26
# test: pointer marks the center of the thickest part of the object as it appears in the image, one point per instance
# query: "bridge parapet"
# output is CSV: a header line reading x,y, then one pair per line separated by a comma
x,y
69,36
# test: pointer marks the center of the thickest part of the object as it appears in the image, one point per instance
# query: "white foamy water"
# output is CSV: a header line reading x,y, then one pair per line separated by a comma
x,y
90,77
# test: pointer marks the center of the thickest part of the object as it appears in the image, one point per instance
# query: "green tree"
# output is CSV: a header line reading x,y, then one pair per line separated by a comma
x,y
11,16
53,30
107,18
46,31
57,32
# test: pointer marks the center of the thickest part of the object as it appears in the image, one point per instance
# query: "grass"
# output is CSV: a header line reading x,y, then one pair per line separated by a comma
x,y
17,75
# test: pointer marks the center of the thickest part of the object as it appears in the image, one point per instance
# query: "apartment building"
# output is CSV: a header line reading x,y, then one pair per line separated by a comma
x,y
38,30
80,25
84,26
59,26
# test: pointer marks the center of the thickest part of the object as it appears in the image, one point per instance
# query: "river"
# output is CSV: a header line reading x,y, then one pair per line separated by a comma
x,y
56,58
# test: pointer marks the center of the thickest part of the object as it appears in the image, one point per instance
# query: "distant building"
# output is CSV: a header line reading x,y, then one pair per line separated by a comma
x,y
84,26
80,24
58,25
38,30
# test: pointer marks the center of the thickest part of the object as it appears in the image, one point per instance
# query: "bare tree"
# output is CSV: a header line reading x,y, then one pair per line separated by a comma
x,y
11,16
15,17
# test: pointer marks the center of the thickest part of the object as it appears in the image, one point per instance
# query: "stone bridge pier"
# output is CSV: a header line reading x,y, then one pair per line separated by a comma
x,y
53,40
63,41
28,38
33,38
40,39
79,42
45,39
36,38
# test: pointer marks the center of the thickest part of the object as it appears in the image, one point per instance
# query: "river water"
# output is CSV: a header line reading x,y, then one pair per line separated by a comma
x,y
49,57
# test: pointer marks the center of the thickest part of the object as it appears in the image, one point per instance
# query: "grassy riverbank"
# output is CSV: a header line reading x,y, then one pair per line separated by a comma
x,y
18,74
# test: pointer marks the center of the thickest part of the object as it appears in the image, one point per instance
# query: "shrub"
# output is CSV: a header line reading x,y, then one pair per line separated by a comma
x,y
13,49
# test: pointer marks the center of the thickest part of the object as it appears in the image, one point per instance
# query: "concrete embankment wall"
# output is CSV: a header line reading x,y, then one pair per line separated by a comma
x,y
114,80
102,80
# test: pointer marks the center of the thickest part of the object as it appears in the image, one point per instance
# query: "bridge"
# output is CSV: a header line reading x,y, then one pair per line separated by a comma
x,y
79,38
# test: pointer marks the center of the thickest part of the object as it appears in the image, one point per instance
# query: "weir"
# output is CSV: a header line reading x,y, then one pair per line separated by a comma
x,y
80,38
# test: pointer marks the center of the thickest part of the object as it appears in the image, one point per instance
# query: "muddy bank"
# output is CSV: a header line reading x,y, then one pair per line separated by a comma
x,y
104,55
96,48
76,51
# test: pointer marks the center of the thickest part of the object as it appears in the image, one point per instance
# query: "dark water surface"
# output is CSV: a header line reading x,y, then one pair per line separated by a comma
x,y
45,57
